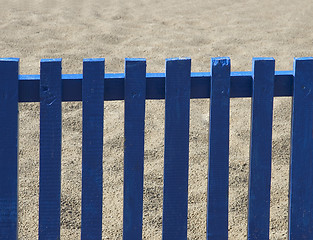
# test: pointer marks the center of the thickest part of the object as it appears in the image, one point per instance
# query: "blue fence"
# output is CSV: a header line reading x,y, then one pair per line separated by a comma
x,y
177,86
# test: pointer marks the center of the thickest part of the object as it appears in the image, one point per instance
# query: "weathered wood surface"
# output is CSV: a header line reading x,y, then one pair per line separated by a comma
x,y
134,129
217,197
261,148
50,148
92,149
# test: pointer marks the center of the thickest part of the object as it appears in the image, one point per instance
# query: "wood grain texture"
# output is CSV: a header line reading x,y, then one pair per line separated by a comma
x,y
9,148
261,148
134,129
301,162
176,149
50,148
92,149
217,200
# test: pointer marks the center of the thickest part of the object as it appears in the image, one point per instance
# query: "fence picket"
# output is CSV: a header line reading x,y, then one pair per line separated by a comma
x,y
217,213
178,85
176,148
135,94
301,160
9,68
92,148
50,148
261,148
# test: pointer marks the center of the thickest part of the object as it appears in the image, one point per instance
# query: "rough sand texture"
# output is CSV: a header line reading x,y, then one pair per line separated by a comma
x,y
154,30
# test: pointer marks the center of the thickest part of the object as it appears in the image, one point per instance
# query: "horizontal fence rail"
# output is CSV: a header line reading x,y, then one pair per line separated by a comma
x,y
240,86
177,86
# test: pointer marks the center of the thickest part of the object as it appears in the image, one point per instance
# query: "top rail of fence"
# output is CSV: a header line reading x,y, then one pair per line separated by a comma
x,y
241,86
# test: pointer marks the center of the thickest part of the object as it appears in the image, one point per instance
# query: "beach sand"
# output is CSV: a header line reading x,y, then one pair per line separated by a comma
x,y
155,30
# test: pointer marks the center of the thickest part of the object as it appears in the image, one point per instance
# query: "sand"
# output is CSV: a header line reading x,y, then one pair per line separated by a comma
x,y
155,30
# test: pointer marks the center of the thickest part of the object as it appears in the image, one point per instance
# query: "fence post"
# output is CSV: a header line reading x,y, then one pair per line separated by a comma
x,y
50,148
217,213
301,160
92,148
9,68
135,95
176,149
261,148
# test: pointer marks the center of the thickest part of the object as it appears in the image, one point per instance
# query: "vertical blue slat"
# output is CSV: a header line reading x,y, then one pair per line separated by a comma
x,y
92,148
50,148
217,213
176,149
261,148
301,162
135,94
8,148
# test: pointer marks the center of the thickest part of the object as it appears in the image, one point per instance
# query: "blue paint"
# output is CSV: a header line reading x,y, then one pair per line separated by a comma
x,y
301,160
92,149
8,148
261,148
176,149
134,129
178,85
241,86
50,148
217,200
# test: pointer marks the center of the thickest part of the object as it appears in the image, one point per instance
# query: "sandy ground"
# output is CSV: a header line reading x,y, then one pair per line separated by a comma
x,y
154,30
